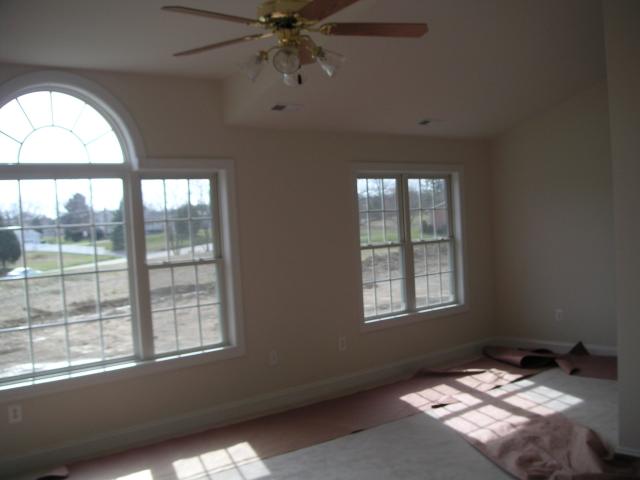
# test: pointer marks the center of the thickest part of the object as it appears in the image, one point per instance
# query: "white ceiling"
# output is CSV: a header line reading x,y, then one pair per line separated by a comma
x,y
483,66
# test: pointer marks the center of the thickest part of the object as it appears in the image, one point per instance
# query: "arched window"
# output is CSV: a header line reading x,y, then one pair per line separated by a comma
x,y
54,127
68,298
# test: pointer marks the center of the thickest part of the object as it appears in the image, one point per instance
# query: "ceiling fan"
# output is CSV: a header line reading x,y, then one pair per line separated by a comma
x,y
291,21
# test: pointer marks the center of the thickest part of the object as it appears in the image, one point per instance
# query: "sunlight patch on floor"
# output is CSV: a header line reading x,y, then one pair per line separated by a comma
x,y
238,462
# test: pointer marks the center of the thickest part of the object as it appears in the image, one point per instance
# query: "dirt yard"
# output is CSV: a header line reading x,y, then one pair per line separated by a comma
x,y
90,296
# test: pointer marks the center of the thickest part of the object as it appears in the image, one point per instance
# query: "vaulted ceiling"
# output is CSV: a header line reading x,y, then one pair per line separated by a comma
x,y
483,66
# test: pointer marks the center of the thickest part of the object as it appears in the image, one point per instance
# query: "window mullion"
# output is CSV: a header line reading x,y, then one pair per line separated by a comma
x,y
405,216
138,276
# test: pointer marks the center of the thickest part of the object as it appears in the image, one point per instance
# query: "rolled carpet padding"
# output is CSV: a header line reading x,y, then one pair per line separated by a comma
x,y
578,361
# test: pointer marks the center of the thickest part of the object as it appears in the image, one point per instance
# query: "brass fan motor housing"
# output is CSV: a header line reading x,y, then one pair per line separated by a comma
x,y
272,9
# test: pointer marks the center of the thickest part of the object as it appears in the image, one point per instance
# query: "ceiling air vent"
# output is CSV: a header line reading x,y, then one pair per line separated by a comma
x,y
286,107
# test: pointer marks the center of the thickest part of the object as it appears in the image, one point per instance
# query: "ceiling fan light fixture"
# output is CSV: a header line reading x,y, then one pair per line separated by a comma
x,y
292,79
329,61
254,65
287,60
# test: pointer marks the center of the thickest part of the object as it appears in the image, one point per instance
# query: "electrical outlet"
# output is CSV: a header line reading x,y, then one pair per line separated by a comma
x,y
559,314
342,343
273,358
15,413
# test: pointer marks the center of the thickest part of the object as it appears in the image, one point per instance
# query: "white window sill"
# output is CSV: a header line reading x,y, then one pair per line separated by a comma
x,y
407,318
37,386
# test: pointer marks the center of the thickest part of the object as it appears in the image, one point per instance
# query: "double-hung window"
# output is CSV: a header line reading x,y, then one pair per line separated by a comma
x,y
410,242
102,264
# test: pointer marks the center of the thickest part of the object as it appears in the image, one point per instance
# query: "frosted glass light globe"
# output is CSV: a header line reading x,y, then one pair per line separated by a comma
x,y
286,60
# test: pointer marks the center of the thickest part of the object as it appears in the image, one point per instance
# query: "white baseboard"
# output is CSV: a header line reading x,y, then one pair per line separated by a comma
x,y
556,346
632,452
139,435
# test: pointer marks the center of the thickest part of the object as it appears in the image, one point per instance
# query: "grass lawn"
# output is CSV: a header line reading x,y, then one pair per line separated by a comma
x,y
44,261
156,241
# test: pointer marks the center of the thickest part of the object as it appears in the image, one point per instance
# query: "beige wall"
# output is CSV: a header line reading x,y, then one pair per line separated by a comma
x,y
622,18
553,224
297,246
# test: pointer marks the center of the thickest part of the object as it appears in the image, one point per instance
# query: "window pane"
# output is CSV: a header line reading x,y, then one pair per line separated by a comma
x,y
208,291
118,338
179,239
177,197
114,293
381,264
397,295
442,223
446,264
434,289
66,109
15,358
366,257
50,348
362,194
211,327
433,258
419,260
84,343
369,300
164,332
156,242
38,201
364,229
447,288
12,298
390,194
160,285
392,227
9,149
153,199
422,292
13,121
414,193
45,300
376,228
37,107
396,267
188,328
74,199
374,193
185,286
81,296
202,238
200,198
426,193
53,145
383,297
440,193
105,149
90,125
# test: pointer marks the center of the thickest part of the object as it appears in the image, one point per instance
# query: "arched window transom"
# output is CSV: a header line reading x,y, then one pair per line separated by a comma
x,y
54,127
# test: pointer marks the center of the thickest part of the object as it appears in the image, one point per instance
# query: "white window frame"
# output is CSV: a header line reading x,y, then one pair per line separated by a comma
x,y
220,171
455,174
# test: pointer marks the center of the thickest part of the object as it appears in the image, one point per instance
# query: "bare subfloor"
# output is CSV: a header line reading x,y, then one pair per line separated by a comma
x,y
416,447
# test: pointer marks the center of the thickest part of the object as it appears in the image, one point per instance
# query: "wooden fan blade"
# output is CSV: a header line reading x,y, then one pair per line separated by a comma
x,y
213,46
407,30
206,13
319,9
307,47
